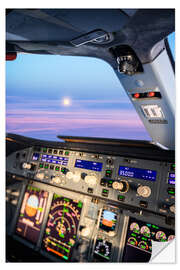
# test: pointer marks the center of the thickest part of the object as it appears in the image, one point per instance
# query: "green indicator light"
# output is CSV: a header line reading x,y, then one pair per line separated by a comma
x,y
74,236
105,190
44,149
57,169
21,215
110,182
132,243
80,204
65,257
144,238
171,192
143,247
66,153
133,234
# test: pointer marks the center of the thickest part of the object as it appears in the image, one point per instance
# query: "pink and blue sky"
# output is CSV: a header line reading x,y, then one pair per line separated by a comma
x,y
37,84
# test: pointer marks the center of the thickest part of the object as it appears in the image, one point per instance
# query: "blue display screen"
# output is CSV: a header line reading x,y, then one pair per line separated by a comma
x,y
35,156
88,165
55,159
137,173
171,179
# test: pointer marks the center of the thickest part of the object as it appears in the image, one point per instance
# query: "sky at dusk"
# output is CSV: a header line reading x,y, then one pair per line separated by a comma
x,y
48,95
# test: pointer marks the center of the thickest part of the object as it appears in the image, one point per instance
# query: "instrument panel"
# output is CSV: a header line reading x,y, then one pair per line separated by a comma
x,y
139,183
85,207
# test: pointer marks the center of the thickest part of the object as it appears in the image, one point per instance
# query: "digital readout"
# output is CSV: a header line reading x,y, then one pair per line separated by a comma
x,y
35,156
88,165
137,173
55,159
171,179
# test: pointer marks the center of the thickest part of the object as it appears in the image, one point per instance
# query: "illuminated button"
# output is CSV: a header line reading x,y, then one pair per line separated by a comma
x,y
171,191
151,94
173,167
105,192
144,191
85,231
136,95
108,173
57,168
121,198
64,170
110,183
46,166
41,165
66,153
103,182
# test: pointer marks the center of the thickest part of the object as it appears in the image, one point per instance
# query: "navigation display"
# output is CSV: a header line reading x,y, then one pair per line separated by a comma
x,y
108,221
62,226
32,213
55,159
137,173
88,165
171,179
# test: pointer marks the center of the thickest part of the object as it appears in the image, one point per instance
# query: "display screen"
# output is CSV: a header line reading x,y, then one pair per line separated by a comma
x,y
32,213
61,229
89,165
137,173
171,179
108,221
55,159
139,238
102,250
35,156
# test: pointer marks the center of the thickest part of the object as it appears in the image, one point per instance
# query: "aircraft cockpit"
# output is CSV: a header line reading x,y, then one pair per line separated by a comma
x,y
89,195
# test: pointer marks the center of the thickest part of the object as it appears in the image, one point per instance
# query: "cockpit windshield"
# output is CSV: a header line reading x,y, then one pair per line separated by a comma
x,y
50,95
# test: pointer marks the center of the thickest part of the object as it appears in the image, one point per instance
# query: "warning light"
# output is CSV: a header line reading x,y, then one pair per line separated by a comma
x,y
151,94
11,56
137,95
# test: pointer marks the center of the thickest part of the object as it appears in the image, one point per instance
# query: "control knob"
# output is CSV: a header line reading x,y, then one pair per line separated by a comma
x,y
122,186
26,165
56,179
69,175
85,231
144,191
172,208
90,180
40,175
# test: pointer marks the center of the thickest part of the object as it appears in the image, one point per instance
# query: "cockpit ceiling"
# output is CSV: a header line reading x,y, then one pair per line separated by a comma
x,y
49,31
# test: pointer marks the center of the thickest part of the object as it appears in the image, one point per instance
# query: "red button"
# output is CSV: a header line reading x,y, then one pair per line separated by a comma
x,y
137,95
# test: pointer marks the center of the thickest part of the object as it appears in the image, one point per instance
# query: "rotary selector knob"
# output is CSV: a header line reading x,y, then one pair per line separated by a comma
x,y
172,208
69,175
122,186
144,191
90,180
76,177
56,179
26,165
85,231
40,176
